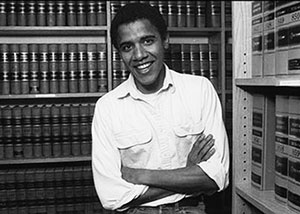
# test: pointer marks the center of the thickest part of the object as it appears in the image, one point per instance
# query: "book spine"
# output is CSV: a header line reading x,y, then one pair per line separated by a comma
x,y
81,13
59,186
85,133
37,131
56,129
3,14
24,68
172,14
64,74
102,67
65,116
281,148
11,188
11,13
257,38
176,57
73,68
20,188
92,67
167,57
201,20
195,59
39,178
17,132
68,184
71,13
21,13
114,7
213,50
41,13
269,38
29,186
190,14
82,68
101,13
50,11
61,13
44,68
4,69
7,131
49,185
116,68
15,69
163,9
91,13
31,8
27,131
185,58
124,72
1,142
75,130
204,58
34,75
294,154
53,68
293,52
46,130
228,66
181,15
215,13
228,14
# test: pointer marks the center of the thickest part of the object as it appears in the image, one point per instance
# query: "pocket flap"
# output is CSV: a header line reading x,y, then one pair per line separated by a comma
x,y
189,129
132,138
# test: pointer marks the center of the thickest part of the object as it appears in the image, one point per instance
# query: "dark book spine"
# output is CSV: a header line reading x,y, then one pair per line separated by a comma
x,y
41,13
73,68
27,131
39,185
190,14
49,185
91,13
85,133
29,186
46,130
61,13
215,13
92,67
21,13
44,68
53,68
17,131
181,15
82,68
71,13
101,13
214,64
34,74
228,66
81,13
31,8
50,13
102,67
204,56
68,184
116,68
176,57
20,189
59,186
2,155
11,188
64,74
11,13
56,129
3,14
124,72
24,68
172,14
167,57
7,131
185,59
201,20
4,69
195,59
37,131
15,69
65,115
163,9
228,14
75,130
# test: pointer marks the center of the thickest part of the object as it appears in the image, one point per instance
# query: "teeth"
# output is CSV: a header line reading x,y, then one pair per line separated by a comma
x,y
143,66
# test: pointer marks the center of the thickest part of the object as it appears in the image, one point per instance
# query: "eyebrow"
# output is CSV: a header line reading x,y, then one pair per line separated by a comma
x,y
141,39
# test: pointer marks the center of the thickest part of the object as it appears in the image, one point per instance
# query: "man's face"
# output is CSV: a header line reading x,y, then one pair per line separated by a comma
x,y
142,50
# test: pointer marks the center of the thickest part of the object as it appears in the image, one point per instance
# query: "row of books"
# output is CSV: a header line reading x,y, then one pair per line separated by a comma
x,y
53,188
275,38
53,68
276,166
52,13
43,131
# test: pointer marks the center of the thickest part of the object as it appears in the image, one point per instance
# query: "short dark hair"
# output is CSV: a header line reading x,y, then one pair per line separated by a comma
x,y
132,12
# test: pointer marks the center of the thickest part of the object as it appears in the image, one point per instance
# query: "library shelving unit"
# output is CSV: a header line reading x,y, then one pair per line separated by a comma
x,y
40,35
247,198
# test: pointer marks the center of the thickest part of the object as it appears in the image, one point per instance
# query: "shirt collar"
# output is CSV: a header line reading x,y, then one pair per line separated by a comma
x,y
129,87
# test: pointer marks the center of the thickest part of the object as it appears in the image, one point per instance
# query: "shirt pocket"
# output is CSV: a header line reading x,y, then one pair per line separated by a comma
x,y
134,146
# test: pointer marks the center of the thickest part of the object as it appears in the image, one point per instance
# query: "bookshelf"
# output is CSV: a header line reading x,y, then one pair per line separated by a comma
x,y
247,198
89,34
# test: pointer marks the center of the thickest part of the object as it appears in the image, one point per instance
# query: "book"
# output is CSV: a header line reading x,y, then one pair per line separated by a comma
x,y
65,114
294,154
114,7
73,68
204,59
91,13
163,9
34,74
4,69
15,83
1,144
64,75
85,129
44,69
175,56
213,62
228,66
53,68
257,39
214,10
50,10
172,13
92,73
39,185
181,14
3,15
71,13
29,186
7,131
56,129
17,133
190,14
116,68
46,130
20,188
102,66
24,68
31,13
228,14
75,129
41,13
81,13
269,39
27,131
185,58
195,59
61,13
21,13
11,13
37,130
82,68
201,20
101,13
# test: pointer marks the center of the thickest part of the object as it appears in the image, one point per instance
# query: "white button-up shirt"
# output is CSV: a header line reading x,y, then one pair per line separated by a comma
x,y
155,131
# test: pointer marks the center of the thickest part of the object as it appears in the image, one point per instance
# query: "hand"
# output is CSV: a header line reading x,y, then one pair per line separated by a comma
x,y
201,151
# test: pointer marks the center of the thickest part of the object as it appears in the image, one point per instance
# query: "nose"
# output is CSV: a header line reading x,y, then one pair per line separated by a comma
x,y
139,53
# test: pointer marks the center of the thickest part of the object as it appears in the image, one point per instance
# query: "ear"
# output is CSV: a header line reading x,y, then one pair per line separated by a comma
x,y
166,42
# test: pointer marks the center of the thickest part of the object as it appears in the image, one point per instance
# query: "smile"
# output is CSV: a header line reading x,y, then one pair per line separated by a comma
x,y
143,66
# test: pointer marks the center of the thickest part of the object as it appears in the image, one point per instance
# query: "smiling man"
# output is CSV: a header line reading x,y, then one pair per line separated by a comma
x,y
159,142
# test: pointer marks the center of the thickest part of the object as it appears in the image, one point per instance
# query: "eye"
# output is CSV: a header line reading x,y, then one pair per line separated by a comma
x,y
149,41
126,47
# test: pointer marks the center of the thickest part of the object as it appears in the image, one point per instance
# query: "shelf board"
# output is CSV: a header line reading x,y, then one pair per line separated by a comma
x,y
45,160
263,200
59,95
193,31
290,81
52,30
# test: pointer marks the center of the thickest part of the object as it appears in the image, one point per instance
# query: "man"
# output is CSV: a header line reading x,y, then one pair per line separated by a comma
x,y
159,141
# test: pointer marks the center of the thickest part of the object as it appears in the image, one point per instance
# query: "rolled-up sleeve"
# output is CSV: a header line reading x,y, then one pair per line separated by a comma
x,y
113,191
217,167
